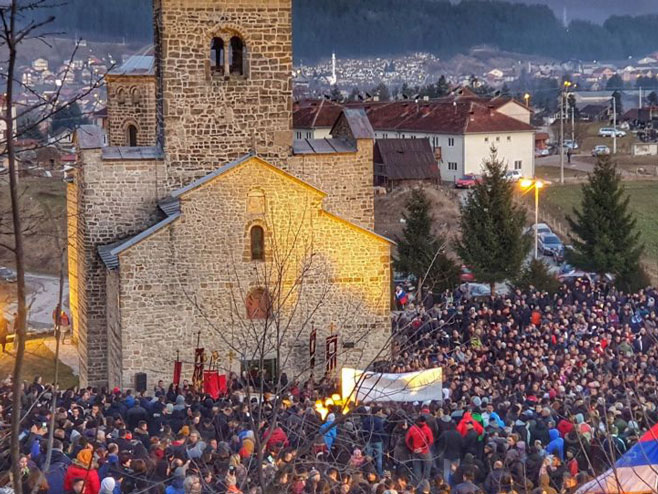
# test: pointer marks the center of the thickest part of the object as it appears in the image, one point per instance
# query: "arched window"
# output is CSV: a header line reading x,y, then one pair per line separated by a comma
x,y
258,304
217,55
131,135
121,96
257,240
237,56
134,96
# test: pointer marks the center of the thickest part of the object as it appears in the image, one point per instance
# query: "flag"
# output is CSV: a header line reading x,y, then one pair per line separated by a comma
x,y
312,347
178,369
197,377
214,384
331,352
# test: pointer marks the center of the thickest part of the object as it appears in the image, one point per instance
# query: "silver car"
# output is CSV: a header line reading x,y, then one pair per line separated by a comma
x,y
8,275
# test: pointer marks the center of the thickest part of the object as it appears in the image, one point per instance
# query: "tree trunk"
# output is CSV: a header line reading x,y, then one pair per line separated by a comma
x,y
20,322
492,286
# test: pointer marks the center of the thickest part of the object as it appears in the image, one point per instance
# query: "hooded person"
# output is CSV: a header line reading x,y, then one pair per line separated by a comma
x,y
82,468
556,445
108,486
329,432
177,485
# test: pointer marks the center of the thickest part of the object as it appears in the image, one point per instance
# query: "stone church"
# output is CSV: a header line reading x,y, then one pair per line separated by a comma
x,y
197,216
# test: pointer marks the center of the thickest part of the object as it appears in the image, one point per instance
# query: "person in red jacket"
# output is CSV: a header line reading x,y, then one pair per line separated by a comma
x,y
468,419
81,468
276,439
419,440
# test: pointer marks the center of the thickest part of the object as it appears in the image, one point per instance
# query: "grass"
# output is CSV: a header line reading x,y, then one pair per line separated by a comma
x,y
39,361
43,204
560,201
552,173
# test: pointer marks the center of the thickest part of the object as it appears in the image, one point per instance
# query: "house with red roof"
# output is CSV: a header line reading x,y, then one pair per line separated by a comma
x,y
465,127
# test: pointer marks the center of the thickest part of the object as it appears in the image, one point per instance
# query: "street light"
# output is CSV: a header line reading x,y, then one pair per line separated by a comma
x,y
526,97
565,89
527,184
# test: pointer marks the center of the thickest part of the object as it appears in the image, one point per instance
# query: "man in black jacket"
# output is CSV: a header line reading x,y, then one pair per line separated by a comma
x,y
449,446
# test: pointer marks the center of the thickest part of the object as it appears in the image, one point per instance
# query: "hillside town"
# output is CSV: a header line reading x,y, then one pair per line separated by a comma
x,y
225,271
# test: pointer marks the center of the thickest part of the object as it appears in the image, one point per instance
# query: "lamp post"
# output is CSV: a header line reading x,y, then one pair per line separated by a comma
x,y
526,98
527,184
565,89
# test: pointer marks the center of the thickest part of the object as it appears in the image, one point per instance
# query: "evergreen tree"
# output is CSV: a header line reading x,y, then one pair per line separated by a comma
x,y
493,244
614,83
335,94
605,236
69,117
420,252
443,87
382,91
536,274
652,98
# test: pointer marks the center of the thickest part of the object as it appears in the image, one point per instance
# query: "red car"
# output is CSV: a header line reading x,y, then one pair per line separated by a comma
x,y
466,275
467,181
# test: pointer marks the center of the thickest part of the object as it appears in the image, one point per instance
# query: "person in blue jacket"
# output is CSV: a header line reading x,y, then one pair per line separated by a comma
x,y
556,446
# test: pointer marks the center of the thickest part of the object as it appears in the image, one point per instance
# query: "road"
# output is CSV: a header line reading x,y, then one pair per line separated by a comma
x,y
577,163
42,295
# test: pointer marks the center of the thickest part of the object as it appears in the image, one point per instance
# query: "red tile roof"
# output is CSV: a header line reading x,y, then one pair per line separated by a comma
x,y
460,115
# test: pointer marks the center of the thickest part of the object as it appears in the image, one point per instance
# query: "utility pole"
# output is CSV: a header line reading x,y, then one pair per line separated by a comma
x,y
562,137
573,126
614,124
639,103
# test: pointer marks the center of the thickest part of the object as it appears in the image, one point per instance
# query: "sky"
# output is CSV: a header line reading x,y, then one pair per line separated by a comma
x,y
598,10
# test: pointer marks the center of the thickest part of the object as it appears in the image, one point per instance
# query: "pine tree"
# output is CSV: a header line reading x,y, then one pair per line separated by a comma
x,y
605,236
536,274
493,244
420,252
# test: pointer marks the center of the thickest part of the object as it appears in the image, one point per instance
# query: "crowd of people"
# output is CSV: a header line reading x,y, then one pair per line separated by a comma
x,y
541,392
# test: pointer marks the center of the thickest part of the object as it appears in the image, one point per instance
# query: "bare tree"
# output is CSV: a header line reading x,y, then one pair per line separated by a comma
x,y
20,22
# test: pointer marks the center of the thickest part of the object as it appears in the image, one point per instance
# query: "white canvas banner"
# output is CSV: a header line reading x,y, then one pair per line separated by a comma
x,y
368,387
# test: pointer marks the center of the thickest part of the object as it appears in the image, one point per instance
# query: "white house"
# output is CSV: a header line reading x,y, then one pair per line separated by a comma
x,y
465,128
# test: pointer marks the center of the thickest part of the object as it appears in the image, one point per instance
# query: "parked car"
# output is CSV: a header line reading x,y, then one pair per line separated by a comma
x,y
611,132
8,275
569,144
551,245
600,150
468,181
541,228
513,175
542,152
466,275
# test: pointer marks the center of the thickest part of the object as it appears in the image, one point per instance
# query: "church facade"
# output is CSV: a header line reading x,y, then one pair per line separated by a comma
x,y
198,214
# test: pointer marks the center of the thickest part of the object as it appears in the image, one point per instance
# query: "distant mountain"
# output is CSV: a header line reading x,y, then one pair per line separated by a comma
x,y
598,10
390,27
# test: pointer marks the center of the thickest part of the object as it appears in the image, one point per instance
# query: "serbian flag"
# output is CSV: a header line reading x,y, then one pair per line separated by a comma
x,y
214,384
402,297
636,472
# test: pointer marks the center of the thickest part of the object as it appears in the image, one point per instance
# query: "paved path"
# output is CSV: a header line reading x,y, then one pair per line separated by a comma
x,y
68,353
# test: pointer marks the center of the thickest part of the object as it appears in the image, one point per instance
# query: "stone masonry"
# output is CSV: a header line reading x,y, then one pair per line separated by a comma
x,y
131,101
198,257
126,317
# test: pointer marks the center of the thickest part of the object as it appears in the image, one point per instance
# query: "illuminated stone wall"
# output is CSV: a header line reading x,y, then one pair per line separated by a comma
x,y
131,100
73,252
346,178
193,275
209,119
115,199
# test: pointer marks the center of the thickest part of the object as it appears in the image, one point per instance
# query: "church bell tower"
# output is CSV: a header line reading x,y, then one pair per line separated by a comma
x,y
224,83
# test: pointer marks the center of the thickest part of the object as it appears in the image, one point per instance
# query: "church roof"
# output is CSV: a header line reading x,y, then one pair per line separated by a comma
x,y
323,146
137,65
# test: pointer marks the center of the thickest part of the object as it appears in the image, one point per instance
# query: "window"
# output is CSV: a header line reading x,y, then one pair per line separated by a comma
x,y
509,138
452,166
309,135
451,141
121,96
486,139
258,304
498,139
236,66
134,96
217,55
518,164
299,135
131,135
257,242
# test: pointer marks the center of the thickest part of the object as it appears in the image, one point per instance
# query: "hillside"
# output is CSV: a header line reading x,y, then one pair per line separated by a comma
x,y
389,27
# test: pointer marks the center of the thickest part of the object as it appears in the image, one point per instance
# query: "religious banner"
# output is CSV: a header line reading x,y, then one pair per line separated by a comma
x,y
332,352
178,369
197,377
312,346
214,384
372,387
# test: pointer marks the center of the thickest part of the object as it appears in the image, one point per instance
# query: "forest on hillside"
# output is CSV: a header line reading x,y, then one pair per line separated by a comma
x,y
390,27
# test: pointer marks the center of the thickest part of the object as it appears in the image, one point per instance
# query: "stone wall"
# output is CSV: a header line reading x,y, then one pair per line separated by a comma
x,y
193,276
131,101
346,178
209,118
116,199
72,253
